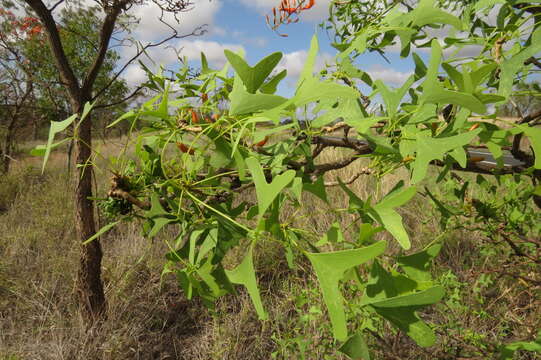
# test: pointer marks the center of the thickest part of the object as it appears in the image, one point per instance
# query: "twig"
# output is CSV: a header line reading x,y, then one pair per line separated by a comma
x,y
363,171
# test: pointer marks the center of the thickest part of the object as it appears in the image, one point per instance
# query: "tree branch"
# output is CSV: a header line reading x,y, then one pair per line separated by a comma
x,y
106,32
134,93
66,72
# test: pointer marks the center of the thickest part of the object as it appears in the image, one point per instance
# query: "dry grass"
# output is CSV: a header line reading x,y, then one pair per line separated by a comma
x,y
150,319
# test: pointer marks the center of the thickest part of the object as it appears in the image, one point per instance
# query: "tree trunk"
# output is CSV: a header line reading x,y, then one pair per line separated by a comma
x,y
7,148
89,285
5,160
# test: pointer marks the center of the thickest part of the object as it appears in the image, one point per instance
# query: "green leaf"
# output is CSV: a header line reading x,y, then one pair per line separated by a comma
x,y
253,77
407,320
56,127
382,295
420,67
425,297
244,274
439,95
86,110
39,150
204,64
242,102
333,235
481,4
534,134
507,352
425,13
330,268
270,86
513,65
102,231
380,285
307,71
392,98
355,347
429,149
384,213
325,90
127,115
266,193
317,188
416,266
156,208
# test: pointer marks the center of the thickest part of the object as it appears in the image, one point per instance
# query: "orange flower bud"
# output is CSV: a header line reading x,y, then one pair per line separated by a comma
x,y
262,142
473,127
185,149
195,118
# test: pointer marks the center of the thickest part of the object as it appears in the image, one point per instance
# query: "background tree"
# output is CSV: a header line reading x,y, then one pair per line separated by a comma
x,y
33,92
16,80
82,88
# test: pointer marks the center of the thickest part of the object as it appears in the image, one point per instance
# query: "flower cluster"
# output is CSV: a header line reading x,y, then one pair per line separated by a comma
x,y
30,26
288,11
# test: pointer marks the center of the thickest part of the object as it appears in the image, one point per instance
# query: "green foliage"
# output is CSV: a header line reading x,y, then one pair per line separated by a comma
x,y
195,170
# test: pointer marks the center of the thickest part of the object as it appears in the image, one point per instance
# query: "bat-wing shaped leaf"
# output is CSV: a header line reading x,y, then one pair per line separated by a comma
x,y
266,193
330,268
244,274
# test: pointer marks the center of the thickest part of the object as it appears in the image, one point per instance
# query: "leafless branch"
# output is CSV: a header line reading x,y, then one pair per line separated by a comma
x,y
534,61
51,9
133,94
196,32
363,171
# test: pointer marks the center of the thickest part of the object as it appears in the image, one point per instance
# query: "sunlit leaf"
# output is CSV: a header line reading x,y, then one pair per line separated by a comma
x,y
330,268
244,274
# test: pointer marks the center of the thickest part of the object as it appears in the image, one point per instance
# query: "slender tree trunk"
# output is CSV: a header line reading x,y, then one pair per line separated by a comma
x,y
5,160
89,285
7,148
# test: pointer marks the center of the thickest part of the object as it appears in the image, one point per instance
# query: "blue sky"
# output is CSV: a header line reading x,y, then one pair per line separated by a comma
x,y
240,24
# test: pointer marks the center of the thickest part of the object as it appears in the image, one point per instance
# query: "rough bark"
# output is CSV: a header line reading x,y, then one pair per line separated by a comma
x,y
89,284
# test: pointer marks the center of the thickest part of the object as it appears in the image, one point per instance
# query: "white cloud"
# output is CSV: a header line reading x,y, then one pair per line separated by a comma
x,y
168,58
317,13
388,75
151,28
134,75
294,62
214,51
